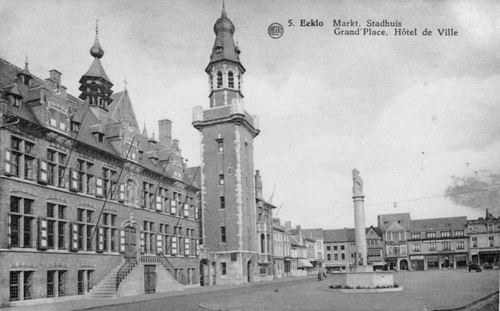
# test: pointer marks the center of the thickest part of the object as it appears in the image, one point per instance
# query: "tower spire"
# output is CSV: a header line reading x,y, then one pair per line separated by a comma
x,y
96,50
95,84
223,14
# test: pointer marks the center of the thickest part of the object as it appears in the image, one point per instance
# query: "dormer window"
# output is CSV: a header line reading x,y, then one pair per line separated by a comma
x,y
57,119
218,49
219,79
75,126
99,137
230,77
15,100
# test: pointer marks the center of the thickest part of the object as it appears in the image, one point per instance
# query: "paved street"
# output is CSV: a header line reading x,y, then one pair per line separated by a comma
x,y
429,289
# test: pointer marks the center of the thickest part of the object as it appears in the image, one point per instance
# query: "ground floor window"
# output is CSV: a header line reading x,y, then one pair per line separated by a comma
x,y
85,281
56,283
21,283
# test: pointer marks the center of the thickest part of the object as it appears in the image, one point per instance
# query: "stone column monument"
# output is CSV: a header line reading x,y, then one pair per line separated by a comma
x,y
359,223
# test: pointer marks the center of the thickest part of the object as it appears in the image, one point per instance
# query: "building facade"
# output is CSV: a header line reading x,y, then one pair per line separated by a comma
x,y
438,243
484,240
375,248
395,230
230,251
282,255
84,192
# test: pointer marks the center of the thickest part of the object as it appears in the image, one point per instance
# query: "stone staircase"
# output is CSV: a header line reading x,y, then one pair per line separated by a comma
x,y
130,279
107,287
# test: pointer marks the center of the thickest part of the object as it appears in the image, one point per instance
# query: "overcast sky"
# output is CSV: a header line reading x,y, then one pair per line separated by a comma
x,y
408,112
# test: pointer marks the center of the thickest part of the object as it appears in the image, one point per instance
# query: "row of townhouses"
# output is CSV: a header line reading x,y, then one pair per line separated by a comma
x,y
397,243
92,205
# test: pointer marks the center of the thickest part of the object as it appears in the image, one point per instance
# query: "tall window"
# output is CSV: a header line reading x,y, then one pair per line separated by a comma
x,y
55,167
84,177
165,238
56,225
336,256
223,234
85,228
415,236
431,235
21,222
220,145
149,237
230,77
177,201
148,195
221,179
222,201
223,267
109,181
460,244
162,200
474,242
416,247
219,79
109,232
342,256
432,246
239,82
492,241
329,257
19,160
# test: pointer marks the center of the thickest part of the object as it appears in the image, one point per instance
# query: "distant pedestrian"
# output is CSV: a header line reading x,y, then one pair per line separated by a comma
x,y
324,274
319,275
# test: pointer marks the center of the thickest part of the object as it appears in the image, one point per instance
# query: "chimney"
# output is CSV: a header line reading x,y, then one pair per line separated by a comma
x,y
288,225
56,77
165,133
258,184
175,144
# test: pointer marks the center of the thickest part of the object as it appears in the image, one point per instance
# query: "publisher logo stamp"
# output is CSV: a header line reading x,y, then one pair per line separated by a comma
x,y
275,30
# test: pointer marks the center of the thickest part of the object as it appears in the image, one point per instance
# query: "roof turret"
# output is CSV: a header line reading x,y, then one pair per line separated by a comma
x,y
224,47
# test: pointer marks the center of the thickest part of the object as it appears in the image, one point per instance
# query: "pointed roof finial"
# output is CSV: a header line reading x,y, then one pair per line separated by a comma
x,y
26,62
145,131
96,50
223,9
125,86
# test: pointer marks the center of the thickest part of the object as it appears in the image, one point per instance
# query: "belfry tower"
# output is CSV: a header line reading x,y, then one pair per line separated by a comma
x,y
95,84
227,170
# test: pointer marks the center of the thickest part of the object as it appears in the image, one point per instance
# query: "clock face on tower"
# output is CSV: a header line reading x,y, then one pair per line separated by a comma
x,y
218,49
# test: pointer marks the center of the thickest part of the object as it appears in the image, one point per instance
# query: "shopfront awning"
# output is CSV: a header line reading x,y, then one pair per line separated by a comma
x,y
304,263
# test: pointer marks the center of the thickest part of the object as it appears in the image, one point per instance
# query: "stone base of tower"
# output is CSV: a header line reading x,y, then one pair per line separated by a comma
x,y
233,268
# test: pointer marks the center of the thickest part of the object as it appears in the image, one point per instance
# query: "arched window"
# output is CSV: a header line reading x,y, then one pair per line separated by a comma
x,y
219,79
230,77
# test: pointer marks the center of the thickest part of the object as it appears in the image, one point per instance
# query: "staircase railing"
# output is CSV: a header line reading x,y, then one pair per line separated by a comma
x,y
124,270
174,272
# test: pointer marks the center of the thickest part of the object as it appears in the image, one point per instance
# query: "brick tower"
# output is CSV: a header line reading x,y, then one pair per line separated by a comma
x,y
227,169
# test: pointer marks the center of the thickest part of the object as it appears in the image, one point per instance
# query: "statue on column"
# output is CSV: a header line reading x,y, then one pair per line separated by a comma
x,y
357,187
